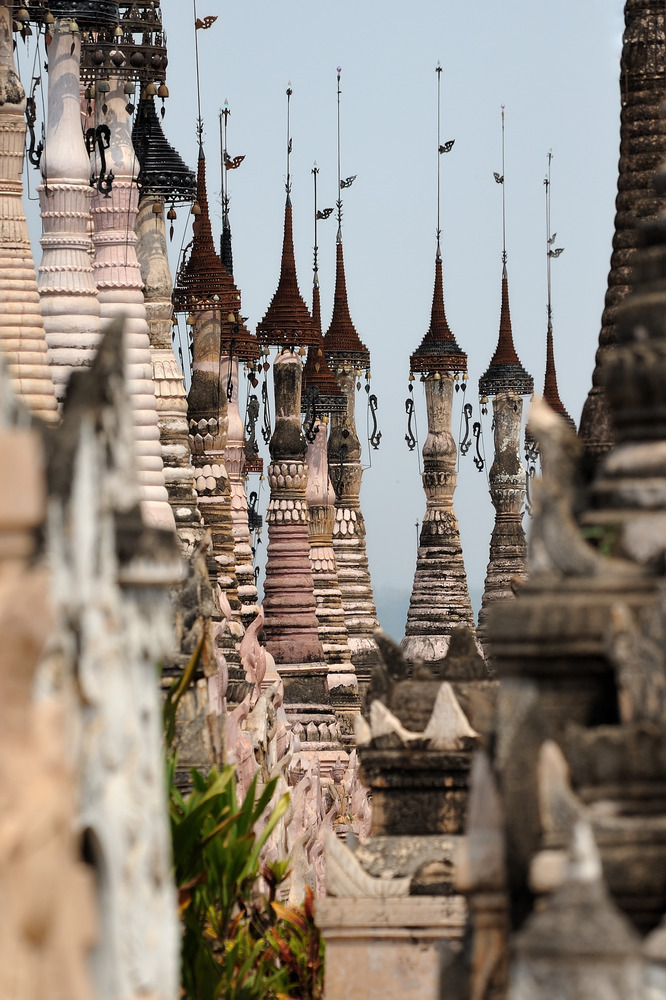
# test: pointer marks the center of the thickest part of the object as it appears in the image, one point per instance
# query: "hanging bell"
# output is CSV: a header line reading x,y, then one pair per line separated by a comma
x,y
129,88
196,209
22,16
150,90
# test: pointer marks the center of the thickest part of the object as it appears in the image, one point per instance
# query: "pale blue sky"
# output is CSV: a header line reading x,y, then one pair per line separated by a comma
x,y
554,66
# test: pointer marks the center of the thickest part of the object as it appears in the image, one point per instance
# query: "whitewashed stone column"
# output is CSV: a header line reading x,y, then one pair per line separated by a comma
x,y
344,456
66,281
170,394
120,293
341,680
235,461
22,337
508,548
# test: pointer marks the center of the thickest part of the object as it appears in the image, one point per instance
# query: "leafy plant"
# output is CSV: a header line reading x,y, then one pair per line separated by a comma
x,y
217,861
298,943
238,943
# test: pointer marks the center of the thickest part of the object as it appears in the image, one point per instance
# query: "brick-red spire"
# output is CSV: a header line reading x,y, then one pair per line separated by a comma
x,y
342,342
505,372
439,350
550,391
203,285
287,322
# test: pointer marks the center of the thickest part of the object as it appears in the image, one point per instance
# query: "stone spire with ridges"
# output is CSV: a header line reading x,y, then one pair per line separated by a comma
x,y
642,147
346,354
507,381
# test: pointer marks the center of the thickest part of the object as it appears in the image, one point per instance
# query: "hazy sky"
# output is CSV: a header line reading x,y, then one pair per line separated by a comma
x,y
554,66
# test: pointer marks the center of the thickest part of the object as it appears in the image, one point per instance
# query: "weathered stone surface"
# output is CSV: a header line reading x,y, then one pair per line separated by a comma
x,y
642,147
440,596
110,580
507,565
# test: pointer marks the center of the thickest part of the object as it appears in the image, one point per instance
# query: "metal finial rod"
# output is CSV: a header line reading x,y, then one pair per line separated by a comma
x,y
438,70
315,171
551,251
503,195
196,55
339,71
224,115
289,93
548,258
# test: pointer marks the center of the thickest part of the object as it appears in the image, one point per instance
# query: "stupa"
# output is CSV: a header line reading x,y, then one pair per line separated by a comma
x,y
440,596
348,357
320,397
507,382
291,627
209,297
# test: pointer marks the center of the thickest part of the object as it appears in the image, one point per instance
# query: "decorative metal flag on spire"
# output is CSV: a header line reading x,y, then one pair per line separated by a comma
x,y
207,22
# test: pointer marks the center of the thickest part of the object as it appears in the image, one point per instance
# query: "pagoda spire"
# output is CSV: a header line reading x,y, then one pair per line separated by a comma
x,y
208,294
347,356
642,148
321,396
507,382
440,595
550,390
291,626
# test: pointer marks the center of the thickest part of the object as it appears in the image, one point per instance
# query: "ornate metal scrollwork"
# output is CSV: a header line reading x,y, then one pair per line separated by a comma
x,y
337,476
254,519
230,380
251,445
409,436
34,150
100,137
376,435
310,418
531,459
466,442
266,425
479,460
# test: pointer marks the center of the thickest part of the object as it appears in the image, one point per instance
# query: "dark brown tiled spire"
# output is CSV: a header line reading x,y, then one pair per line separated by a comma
x,y
287,322
505,372
342,342
203,285
550,391
642,147
316,371
439,350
